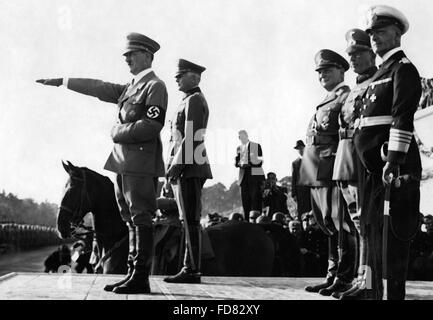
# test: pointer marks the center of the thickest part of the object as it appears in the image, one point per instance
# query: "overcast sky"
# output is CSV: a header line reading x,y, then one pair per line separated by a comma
x,y
260,75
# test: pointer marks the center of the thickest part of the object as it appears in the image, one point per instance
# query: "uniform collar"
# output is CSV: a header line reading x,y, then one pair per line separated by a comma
x,y
141,75
366,75
388,55
192,91
338,86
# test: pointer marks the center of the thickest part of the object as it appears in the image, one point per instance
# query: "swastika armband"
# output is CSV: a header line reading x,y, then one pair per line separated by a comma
x,y
155,113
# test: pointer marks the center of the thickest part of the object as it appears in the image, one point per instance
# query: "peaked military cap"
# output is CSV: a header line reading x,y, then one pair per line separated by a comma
x,y
327,58
136,41
185,66
357,40
380,16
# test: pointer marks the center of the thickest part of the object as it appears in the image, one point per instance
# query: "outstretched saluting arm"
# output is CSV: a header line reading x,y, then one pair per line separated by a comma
x,y
104,91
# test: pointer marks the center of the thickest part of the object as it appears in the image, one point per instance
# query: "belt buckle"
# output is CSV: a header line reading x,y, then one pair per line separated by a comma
x,y
357,123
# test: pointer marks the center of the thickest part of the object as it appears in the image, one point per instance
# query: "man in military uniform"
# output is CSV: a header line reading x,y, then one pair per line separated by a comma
x,y
301,194
137,154
188,166
317,166
362,61
387,148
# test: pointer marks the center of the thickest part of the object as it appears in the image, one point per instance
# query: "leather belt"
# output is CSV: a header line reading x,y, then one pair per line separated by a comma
x,y
346,133
373,121
322,139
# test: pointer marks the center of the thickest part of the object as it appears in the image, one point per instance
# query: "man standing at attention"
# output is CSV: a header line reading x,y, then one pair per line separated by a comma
x,y
362,61
188,166
317,168
387,148
137,154
249,159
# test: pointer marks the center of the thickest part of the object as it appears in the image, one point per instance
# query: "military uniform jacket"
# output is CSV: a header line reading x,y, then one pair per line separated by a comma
x,y
254,153
188,148
322,140
393,95
387,116
345,168
141,113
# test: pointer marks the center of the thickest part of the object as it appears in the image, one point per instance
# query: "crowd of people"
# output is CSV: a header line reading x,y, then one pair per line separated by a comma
x,y
14,236
312,242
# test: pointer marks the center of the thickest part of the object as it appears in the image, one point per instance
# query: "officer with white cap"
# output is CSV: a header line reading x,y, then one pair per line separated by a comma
x,y
388,151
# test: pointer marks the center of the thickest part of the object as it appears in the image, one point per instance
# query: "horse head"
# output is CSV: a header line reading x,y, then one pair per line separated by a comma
x,y
75,202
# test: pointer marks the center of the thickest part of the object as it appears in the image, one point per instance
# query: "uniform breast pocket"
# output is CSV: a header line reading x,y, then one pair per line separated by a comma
x,y
132,112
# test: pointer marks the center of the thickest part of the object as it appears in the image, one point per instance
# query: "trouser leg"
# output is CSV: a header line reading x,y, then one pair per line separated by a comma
x,y
398,259
346,263
246,200
255,195
139,194
192,259
191,195
332,256
120,199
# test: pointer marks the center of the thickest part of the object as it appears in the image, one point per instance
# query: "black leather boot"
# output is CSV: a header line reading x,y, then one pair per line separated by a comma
x,y
139,281
341,294
190,273
396,289
328,282
130,262
358,294
337,286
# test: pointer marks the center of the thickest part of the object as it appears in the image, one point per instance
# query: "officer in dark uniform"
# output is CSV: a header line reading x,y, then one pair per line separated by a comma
x,y
362,60
137,154
388,150
188,166
301,194
316,171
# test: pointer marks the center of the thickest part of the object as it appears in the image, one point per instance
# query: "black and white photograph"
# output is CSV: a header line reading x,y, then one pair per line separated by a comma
x,y
216,155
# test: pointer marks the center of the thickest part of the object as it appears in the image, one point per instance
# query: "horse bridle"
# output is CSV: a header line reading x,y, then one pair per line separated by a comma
x,y
77,220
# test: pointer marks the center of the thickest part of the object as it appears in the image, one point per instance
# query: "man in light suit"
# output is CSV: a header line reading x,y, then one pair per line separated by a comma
x,y
137,154
188,166
249,159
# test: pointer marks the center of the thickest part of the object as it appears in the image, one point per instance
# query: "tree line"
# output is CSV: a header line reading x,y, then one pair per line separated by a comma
x,y
26,211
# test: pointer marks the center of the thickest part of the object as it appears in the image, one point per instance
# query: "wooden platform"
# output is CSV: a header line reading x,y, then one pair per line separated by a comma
x,y
72,286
